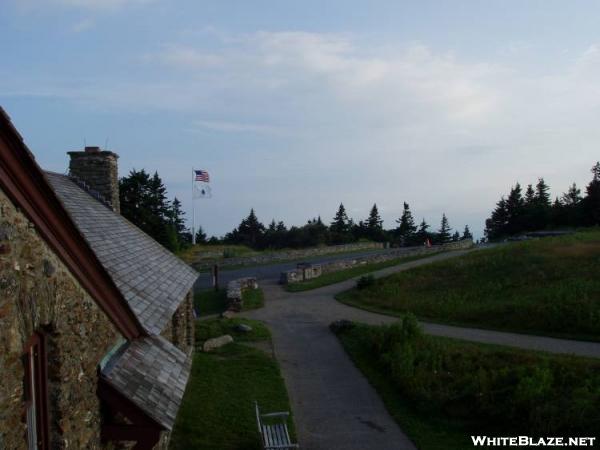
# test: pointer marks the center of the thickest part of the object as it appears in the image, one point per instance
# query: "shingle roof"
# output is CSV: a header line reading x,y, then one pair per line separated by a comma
x,y
151,279
152,373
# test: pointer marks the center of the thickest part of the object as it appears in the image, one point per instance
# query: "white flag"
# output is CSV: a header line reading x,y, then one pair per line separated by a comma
x,y
202,190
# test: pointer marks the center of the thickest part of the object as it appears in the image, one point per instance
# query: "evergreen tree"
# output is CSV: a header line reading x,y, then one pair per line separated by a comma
x,y
176,215
541,210
374,224
406,226
444,236
572,196
496,225
422,234
529,195
340,227
542,195
467,233
592,199
144,202
456,236
568,211
514,211
200,236
340,221
251,230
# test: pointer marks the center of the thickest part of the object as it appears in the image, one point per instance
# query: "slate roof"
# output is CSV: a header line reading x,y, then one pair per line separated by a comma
x,y
152,280
152,373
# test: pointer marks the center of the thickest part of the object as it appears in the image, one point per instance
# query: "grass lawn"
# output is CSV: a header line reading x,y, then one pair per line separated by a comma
x,y
209,301
346,274
441,391
218,406
547,286
214,252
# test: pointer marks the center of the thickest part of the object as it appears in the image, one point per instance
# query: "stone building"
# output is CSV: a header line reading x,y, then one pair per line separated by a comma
x,y
96,318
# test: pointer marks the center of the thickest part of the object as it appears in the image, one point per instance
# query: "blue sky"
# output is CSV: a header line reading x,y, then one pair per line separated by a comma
x,y
295,106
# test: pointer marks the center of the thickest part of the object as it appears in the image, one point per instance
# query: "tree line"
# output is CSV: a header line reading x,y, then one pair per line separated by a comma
x,y
341,230
534,210
144,202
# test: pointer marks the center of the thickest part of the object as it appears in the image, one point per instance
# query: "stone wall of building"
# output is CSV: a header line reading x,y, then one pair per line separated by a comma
x,y
180,330
37,293
305,272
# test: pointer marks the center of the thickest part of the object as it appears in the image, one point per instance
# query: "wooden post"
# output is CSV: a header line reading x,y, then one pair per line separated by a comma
x,y
215,277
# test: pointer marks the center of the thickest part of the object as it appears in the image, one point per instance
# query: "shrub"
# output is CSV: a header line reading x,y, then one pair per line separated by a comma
x,y
339,326
518,391
365,282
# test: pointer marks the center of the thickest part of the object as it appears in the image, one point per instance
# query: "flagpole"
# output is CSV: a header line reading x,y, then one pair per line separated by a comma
x,y
193,210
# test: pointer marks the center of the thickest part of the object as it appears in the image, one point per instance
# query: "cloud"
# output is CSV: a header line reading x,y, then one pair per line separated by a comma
x,y
342,117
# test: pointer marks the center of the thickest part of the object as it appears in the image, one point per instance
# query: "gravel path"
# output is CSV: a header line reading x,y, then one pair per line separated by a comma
x,y
334,405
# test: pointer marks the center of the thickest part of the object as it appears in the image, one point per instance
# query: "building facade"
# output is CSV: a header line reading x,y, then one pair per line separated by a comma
x,y
96,318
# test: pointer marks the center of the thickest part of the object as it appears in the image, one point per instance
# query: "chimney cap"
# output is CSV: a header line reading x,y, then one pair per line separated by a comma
x,y
91,151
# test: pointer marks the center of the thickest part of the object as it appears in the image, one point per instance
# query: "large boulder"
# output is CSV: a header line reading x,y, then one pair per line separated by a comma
x,y
214,343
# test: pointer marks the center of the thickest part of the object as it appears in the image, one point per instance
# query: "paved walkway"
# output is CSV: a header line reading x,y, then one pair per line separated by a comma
x,y
333,403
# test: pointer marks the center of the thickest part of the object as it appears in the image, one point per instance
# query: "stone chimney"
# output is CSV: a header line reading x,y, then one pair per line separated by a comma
x,y
97,169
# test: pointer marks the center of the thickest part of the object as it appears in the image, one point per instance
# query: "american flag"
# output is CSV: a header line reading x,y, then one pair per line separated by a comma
x,y
202,175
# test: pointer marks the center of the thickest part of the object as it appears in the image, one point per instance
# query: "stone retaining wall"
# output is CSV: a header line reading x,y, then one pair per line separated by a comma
x,y
235,290
290,254
304,272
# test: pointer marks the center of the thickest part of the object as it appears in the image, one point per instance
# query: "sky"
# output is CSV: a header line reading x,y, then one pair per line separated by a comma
x,y
296,106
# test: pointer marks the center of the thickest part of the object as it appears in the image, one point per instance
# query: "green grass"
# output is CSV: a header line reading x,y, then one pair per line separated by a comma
x,y
218,406
346,274
548,286
441,391
210,302
253,299
204,252
206,329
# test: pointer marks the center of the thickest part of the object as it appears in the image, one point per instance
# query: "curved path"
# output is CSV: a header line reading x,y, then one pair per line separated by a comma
x,y
333,403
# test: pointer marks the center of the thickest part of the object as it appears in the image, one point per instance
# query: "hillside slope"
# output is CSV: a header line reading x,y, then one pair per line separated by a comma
x,y
547,286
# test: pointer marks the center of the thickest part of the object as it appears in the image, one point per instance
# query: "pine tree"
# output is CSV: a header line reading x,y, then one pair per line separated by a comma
x,y
529,195
422,234
541,211
444,236
514,211
250,231
467,233
374,224
144,202
572,196
406,226
340,221
592,198
496,225
542,195
200,236
568,211
456,236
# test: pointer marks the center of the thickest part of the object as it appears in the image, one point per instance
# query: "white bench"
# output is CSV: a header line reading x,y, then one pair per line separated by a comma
x,y
274,436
